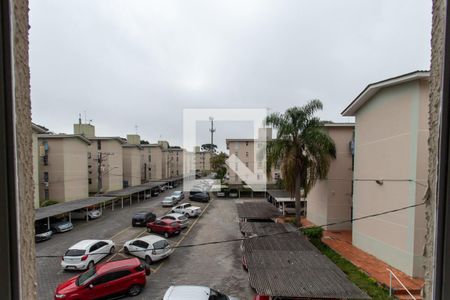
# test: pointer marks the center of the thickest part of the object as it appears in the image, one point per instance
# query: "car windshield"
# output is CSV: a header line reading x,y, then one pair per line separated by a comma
x,y
75,252
86,276
215,295
168,198
187,205
177,193
168,218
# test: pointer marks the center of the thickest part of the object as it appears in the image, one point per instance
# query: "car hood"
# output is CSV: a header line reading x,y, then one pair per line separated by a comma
x,y
62,223
193,208
67,287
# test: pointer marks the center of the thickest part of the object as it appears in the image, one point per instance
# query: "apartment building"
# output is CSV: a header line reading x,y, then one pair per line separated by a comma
x,y
247,152
390,169
63,167
330,200
175,156
152,163
36,129
132,161
202,160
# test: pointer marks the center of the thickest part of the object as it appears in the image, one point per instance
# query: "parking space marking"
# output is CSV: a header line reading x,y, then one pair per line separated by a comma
x,y
120,232
185,235
121,249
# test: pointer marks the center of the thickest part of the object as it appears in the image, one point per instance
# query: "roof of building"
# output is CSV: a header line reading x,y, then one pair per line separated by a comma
x,y
134,189
63,136
240,140
283,196
373,88
301,273
38,128
339,125
257,210
104,138
65,207
266,228
131,146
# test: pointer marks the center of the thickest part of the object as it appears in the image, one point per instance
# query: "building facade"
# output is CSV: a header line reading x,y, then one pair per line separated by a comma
x,y
35,150
330,200
390,169
63,167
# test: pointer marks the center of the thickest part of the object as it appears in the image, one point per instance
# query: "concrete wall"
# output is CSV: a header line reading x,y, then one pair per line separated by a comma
x,y
202,161
330,200
75,169
35,153
388,135
437,55
132,165
25,184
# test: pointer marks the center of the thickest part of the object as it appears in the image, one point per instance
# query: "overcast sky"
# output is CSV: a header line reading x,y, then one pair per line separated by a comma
x,y
129,63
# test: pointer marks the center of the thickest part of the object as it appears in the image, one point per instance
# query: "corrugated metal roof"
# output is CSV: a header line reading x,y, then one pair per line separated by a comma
x,y
288,265
257,210
264,228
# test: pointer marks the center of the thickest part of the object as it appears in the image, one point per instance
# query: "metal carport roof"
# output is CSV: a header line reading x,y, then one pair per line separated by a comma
x,y
257,210
134,189
60,208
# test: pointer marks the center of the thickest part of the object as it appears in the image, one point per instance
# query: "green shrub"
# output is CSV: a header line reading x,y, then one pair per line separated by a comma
x,y
314,234
48,203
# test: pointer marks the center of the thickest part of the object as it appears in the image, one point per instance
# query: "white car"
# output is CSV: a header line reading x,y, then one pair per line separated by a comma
x,y
151,248
83,255
169,201
187,209
180,218
80,214
194,292
178,195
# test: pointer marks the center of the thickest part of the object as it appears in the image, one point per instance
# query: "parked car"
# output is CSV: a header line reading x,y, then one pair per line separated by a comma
x,y
187,209
142,218
179,218
84,254
151,248
58,225
42,232
80,214
233,193
162,188
154,192
178,195
165,227
169,201
200,197
193,292
169,186
113,278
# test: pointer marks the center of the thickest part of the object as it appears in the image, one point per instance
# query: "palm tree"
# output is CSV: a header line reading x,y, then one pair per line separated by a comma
x,y
302,148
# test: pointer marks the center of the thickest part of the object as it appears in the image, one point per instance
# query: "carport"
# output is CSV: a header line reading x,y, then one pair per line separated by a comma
x,y
257,211
129,192
67,207
283,200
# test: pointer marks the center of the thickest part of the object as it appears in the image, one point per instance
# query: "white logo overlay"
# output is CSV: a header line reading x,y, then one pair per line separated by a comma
x,y
247,168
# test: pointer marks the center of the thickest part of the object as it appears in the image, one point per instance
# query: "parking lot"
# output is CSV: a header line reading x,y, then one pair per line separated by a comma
x,y
216,265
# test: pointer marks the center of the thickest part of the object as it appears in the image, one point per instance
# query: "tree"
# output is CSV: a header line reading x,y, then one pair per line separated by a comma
x,y
144,142
218,165
303,148
207,148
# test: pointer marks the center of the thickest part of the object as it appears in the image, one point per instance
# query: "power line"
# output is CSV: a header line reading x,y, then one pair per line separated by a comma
x,y
264,235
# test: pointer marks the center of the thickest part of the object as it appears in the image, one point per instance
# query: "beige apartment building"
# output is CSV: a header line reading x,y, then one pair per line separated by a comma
x,y
63,167
330,200
131,165
152,163
246,150
174,161
390,169
202,160
36,129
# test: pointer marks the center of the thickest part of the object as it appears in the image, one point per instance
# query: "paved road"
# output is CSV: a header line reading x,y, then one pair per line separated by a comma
x,y
216,265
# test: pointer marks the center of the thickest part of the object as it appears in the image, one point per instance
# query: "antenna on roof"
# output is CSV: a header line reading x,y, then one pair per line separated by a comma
x,y
85,118
79,119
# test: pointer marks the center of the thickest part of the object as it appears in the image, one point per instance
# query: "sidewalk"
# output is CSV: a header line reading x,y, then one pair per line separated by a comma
x,y
341,242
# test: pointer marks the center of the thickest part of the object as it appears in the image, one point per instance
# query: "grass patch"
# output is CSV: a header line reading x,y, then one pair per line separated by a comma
x,y
359,278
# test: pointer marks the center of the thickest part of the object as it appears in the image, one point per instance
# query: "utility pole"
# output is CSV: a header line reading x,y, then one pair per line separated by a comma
x,y
212,130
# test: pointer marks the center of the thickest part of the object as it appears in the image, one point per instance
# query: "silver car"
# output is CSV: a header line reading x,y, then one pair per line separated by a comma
x,y
193,292
178,195
168,201
180,218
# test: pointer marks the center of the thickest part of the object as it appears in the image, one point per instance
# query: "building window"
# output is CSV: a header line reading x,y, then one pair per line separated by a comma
x,y
246,143
177,172
46,177
246,154
246,164
149,157
90,180
45,160
99,145
89,155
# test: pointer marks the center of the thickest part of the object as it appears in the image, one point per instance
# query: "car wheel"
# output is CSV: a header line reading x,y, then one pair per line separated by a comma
x,y
148,260
125,249
186,215
166,234
112,250
135,290
90,265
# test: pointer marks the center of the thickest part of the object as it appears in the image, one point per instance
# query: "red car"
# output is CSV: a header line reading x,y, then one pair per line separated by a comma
x,y
164,226
109,279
